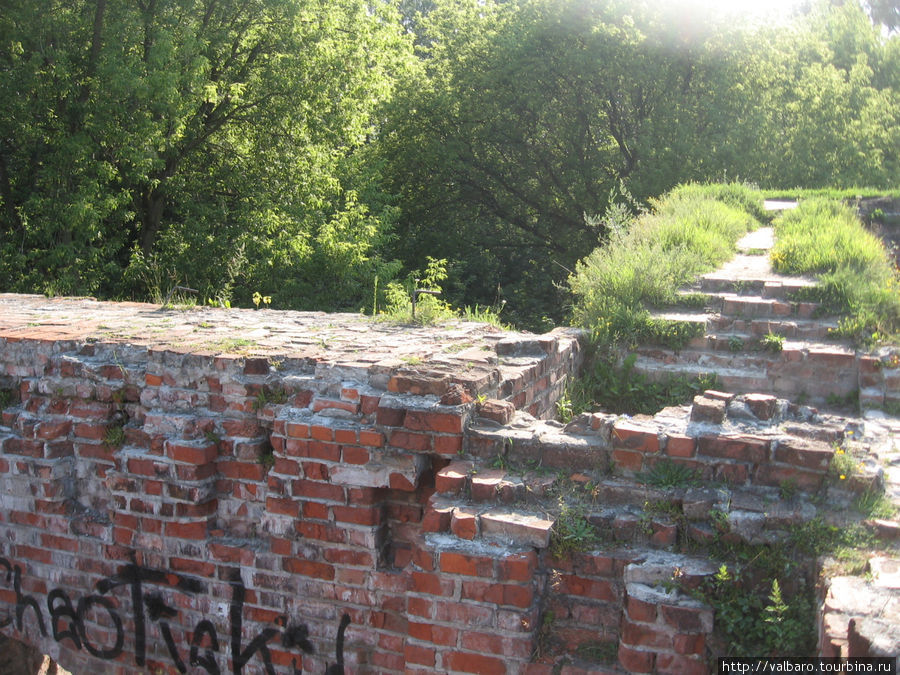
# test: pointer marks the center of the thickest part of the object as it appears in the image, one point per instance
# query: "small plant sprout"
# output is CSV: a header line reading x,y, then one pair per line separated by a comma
x,y
264,299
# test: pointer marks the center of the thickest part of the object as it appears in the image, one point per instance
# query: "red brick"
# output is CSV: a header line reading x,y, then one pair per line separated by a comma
x,y
420,607
687,619
432,584
463,563
294,430
192,454
734,474
368,404
464,524
321,433
372,439
296,448
499,594
803,453
256,366
635,661
327,451
57,449
679,445
315,471
597,589
313,490
473,663
452,478
186,530
309,568
628,459
447,445
690,644
59,543
422,420
357,516
322,532
776,474
406,440
285,506
741,448
315,510
320,404
390,417
646,635
345,436
287,467
401,482
53,430
421,655
197,567
638,610
355,455
517,567
341,556
152,380
634,437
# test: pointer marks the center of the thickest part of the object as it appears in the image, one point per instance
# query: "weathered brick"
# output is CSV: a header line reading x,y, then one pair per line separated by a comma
x,y
474,663
680,445
425,420
646,635
415,442
804,453
453,477
741,448
631,436
706,409
464,563
464,523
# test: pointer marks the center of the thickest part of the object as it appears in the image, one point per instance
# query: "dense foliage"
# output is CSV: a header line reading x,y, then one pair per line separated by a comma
x,y
214,143
314,151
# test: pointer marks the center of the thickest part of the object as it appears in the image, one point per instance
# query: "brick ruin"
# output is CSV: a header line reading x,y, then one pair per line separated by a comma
x,y
281,492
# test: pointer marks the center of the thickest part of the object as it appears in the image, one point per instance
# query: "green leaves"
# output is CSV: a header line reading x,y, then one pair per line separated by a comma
x,y
198,133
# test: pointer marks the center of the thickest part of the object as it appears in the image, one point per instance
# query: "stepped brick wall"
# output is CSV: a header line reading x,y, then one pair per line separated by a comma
x,y
279,492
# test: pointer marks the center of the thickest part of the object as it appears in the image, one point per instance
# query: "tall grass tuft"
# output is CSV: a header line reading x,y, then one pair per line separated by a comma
x,y
689,231
856,276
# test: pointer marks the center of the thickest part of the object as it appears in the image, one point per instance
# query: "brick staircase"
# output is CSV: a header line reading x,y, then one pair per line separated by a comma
x,y
756,337
760,468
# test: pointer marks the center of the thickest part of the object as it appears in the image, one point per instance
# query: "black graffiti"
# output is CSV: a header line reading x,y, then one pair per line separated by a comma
x,y
68,621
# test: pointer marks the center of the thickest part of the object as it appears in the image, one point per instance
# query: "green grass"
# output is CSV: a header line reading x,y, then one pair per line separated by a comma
x,y
830,193
691,230
856,276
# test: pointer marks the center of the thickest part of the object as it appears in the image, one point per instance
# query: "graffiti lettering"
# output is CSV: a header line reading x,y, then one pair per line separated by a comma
x,y
68,621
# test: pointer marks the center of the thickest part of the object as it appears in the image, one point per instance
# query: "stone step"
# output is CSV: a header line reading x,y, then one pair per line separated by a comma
x,y
795,328
765,286
750,328
734,379
751,304
470,503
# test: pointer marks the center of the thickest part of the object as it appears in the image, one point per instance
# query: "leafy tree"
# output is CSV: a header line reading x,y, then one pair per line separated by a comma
x,y
213,142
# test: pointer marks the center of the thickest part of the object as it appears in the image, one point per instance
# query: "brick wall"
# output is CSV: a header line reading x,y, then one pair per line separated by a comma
x,y
167,508
171,509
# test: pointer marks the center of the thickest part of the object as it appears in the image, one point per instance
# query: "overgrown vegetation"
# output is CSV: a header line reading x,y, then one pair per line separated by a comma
x,y
315,153
857,279
605,384
691,230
